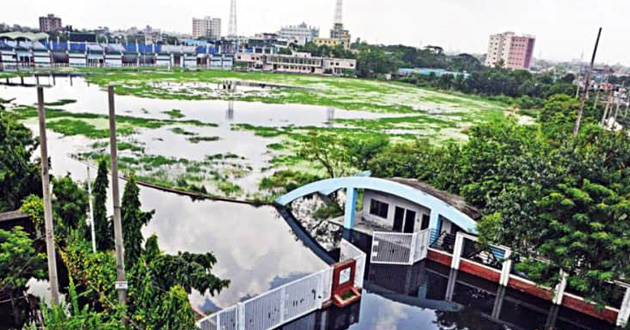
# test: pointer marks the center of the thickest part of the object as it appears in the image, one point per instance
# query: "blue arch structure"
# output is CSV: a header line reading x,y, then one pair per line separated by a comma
x,y
438,207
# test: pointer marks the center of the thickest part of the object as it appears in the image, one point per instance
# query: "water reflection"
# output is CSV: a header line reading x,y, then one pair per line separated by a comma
x,y
254,247
460,301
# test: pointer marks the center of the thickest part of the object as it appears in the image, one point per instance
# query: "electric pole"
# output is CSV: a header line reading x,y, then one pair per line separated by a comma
x,y
121,283
89,182
587,83
48,219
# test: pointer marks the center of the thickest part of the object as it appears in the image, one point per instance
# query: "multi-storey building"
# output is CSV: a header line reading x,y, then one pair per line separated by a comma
x,y
301,34
207,27
50,23
510,50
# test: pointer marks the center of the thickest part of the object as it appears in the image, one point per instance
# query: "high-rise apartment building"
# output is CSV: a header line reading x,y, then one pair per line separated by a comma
x,y
512,51
50,23
207,27
302,33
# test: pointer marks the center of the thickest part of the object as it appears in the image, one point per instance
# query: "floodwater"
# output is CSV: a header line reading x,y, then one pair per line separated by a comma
x,y
257,250
418,297
163,142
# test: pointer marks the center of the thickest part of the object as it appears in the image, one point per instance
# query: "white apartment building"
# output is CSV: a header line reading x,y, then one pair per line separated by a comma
x,y
301,33
207,27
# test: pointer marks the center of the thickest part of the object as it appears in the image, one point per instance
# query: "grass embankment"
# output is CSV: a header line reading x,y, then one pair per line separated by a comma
x,y
337,92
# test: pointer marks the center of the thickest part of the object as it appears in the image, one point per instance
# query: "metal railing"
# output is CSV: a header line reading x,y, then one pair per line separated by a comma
x,y
399,248
285,303
444,241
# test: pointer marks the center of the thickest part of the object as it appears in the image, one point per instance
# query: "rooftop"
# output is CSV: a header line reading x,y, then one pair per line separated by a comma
x,y
454,200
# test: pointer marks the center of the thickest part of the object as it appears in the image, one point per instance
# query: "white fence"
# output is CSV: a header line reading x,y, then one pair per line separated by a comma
x,y
349,251
399,248
286,303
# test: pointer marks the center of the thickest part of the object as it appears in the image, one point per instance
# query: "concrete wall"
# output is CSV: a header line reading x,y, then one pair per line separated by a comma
x,y
392,201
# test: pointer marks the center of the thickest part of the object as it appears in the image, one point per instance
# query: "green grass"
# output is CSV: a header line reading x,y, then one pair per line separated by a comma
x,y
337,92
181,131
175,114
60,102
276,146
95,126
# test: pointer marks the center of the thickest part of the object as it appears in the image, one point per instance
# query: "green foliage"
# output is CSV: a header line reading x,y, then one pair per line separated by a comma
x,y
73,317
559,114
188,270
286,180
70,203
94,273
132,221
34,206
154,308
339,155
19,177
19,262
544,193
103,227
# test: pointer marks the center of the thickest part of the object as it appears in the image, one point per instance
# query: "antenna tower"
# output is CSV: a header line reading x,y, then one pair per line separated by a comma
x,y
232,27
338,12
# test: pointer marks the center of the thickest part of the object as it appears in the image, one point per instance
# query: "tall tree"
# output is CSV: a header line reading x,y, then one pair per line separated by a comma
x,y
132,221
70,203
103,227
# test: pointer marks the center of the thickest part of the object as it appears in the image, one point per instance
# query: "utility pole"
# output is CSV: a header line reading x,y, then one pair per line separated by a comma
x,y
607,110
121,283
89,182
587,83
596,98
48,220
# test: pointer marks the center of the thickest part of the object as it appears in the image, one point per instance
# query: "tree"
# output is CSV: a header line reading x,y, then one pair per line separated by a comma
x,y
70,204
19,262
153,308
103,227
19,177
188,270
132,221
340,155
326,150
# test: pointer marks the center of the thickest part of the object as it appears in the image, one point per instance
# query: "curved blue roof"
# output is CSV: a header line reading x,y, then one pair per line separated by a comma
x,y
436,205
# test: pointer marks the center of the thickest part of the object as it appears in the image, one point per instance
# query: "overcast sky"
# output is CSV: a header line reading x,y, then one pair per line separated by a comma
x,y
565,29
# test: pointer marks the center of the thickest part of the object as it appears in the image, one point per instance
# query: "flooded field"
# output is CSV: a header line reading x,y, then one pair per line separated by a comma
x,y
228,147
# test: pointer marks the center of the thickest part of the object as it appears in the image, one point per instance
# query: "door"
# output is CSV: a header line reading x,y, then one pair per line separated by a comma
x,y
410,221
399,219
426,219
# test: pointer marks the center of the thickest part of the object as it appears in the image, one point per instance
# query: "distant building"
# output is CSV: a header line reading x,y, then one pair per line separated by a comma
x,y
332,42
514,52
301,34
296,63
50,23
207,27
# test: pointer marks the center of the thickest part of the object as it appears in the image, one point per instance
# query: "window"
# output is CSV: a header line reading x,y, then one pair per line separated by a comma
x,y
378,208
